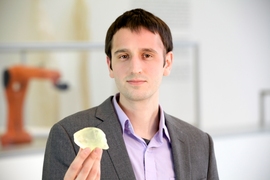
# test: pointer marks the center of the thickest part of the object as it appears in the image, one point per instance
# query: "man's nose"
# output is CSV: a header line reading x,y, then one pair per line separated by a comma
x,y
136,64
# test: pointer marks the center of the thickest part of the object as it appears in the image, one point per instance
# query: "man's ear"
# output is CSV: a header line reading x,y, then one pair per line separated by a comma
x,y
168,63
109,67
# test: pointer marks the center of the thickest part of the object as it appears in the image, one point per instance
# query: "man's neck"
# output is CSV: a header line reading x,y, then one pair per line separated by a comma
x,y
144,117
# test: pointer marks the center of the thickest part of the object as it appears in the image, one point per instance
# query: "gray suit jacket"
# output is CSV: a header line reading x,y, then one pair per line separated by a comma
x,y
192,149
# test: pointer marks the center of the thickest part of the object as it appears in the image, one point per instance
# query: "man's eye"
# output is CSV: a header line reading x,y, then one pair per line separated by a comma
x,y
123,56
147,56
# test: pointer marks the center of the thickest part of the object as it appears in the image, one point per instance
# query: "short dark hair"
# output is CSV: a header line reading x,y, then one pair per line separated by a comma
x,y
136,19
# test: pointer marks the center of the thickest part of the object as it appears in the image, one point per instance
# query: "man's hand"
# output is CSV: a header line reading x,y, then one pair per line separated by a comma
x,y
86,165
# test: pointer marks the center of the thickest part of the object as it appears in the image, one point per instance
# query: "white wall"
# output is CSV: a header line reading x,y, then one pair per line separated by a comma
x,y
234,62
243,156
234,52
234,67
26,166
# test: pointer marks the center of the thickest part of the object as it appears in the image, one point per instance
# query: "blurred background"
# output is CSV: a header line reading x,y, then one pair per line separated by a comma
x,y
220,81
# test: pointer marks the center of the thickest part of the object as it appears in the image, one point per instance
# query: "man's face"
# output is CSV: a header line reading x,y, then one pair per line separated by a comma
x,y
138,63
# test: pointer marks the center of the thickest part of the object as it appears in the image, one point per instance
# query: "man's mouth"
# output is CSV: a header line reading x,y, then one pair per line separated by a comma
x,y
136,81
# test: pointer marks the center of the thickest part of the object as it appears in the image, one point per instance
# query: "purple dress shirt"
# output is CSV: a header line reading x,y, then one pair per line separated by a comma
x,y
152,161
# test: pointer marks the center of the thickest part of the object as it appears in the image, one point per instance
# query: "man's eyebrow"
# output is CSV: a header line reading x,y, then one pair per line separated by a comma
x,y
120,51
149,50
143,49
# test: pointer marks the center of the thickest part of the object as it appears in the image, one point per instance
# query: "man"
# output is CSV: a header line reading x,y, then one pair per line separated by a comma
x,y
144,142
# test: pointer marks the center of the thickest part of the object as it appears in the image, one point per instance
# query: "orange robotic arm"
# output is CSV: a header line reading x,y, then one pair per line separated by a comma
x,y
16,80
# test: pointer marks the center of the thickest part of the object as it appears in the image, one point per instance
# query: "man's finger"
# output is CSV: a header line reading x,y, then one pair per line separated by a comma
x,y
88,165
77,163
94,173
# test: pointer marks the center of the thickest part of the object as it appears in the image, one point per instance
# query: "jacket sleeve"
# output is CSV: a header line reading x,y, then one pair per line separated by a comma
x,y
212,166
59,153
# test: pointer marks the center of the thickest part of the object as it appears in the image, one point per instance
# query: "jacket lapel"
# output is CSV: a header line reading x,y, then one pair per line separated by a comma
x,y
180,149
117,149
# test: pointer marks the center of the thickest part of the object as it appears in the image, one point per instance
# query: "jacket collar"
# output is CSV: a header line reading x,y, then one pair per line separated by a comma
x,y
117,149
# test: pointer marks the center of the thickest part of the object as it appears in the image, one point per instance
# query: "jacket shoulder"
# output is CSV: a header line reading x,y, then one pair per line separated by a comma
x,y
86,118
182,126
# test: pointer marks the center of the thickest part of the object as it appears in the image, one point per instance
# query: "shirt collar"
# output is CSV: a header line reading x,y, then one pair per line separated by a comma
x,y
120,113
123,118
